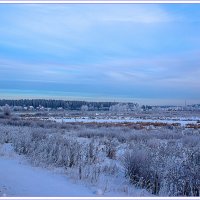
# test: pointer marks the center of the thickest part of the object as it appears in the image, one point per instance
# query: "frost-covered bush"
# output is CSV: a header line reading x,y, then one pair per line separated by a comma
x,y
167,135
111,149
182,178
52,150
6,111
5,135
191,141
167,168
91,153
136,164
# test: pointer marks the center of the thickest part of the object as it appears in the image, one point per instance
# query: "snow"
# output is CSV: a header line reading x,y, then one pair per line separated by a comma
x,y
182,121
17,178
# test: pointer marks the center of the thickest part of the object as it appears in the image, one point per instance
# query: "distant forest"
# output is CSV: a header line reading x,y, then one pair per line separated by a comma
x,y
55,104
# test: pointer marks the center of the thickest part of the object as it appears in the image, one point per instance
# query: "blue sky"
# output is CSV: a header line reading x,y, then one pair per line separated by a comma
x,y
148,53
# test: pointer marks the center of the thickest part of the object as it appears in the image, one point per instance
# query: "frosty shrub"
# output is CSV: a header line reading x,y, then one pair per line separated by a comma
x,y
84,108
6,135
91,153
191,141
6,111
167,168
22,142
111,149
136,164
182,178
38,135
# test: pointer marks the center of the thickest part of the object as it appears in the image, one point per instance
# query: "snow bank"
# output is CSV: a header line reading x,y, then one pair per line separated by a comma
x,y
20,179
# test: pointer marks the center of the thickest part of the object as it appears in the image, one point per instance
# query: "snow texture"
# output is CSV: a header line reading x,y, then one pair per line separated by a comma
x,y
18,179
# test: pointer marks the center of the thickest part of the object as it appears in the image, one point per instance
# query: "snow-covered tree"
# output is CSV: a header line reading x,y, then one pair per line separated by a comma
x,y
84,108
120,107
6,110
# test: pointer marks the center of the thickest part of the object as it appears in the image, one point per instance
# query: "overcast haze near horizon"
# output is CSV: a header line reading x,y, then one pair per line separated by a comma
x,y
144,52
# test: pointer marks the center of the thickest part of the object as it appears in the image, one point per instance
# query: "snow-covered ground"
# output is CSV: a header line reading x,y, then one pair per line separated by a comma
x,y
91,160
18,178
182,121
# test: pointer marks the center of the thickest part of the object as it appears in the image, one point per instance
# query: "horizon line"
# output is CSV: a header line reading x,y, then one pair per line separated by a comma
x,y
99,101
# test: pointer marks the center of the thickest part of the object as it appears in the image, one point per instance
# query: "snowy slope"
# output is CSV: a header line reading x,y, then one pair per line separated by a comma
x,y
17,179
20,179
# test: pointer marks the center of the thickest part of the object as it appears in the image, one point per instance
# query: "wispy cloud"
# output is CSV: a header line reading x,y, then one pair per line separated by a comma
x,y
64,28
117,48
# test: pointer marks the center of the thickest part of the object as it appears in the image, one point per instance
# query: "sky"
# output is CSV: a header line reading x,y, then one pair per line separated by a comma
x,y
145,53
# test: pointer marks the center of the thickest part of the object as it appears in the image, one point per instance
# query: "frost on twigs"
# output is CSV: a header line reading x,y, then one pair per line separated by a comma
x,y
6,111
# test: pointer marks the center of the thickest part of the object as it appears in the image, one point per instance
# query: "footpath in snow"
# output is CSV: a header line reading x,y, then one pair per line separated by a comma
x,y
20,179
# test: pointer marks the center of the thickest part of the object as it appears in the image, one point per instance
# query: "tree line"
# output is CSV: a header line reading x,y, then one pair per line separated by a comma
x,y
55,104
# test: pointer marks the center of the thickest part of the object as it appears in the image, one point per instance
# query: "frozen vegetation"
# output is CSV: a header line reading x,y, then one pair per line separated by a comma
x,y
142,158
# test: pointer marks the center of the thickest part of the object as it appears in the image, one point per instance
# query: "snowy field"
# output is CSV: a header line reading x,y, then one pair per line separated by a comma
x,y
62,155
21,179
182,121
23,176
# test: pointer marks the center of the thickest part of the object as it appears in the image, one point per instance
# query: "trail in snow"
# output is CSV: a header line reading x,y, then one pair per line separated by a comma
x,y
17,179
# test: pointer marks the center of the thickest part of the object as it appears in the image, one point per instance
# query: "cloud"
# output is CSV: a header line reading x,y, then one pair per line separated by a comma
x,y
139,14
64,28
127,49
177,71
